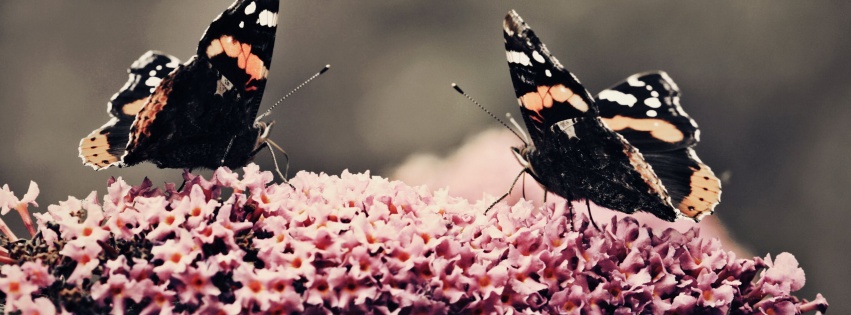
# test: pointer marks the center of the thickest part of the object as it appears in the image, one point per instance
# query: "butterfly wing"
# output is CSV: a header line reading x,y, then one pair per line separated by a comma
x,y
645,109
546,91
106,145
239,45
204,112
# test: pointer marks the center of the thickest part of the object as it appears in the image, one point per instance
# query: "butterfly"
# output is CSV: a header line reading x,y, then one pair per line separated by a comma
x,y
202,113
629,149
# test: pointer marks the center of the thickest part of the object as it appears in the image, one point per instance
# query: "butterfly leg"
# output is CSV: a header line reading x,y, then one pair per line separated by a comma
x,y
506,194
275,159
588,206
227,150
570,210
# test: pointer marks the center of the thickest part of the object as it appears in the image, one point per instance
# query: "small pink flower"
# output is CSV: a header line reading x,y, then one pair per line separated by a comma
x,y
211,305
90,230
319,291
281,283
162,299
125,224
37,273
117,288
196,206
254,289
569,301
117,197
488,281
175,254
141,270
198,282
350,289
28,306
712,295
14,282
783,276
166,222
86,256
9,201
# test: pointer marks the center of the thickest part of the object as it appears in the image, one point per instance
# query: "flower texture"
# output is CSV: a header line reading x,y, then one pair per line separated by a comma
x,y
359,243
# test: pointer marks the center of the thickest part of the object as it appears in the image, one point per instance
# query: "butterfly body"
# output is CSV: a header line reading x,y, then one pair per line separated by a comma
x,y
630,149
198,114
588,161
191,125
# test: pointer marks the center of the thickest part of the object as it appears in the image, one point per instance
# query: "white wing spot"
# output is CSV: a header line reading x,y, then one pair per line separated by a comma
x,y
653,102
250,8
153,81
153,73
651,113
538,57
649,88
567,127
518,58
618,97
654,94
173,62
267,18
241,24
634,81
548,73
159,67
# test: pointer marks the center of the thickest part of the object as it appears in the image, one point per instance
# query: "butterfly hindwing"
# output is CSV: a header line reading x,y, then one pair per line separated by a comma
x,y
106,145
693,187
645,109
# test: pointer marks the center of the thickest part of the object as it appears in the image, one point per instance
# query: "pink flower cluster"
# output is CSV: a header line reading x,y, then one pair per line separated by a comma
x,y
356,244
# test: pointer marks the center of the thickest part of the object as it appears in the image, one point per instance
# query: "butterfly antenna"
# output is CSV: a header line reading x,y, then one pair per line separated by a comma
x,y
457,88
517,126
269,111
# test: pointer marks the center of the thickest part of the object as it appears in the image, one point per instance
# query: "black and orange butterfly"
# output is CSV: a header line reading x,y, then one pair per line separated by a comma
x,y
629,149
202,113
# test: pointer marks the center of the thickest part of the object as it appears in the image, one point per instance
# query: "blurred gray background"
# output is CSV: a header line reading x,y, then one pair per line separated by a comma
x,y
768,82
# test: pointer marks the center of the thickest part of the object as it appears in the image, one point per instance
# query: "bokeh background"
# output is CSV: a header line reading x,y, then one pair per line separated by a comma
x,y
767,81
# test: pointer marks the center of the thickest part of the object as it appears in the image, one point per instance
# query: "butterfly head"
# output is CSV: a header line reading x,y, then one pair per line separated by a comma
x,y
523,154
263,129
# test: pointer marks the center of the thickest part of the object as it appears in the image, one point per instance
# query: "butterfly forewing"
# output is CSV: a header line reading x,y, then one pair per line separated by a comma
x,y
547,93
